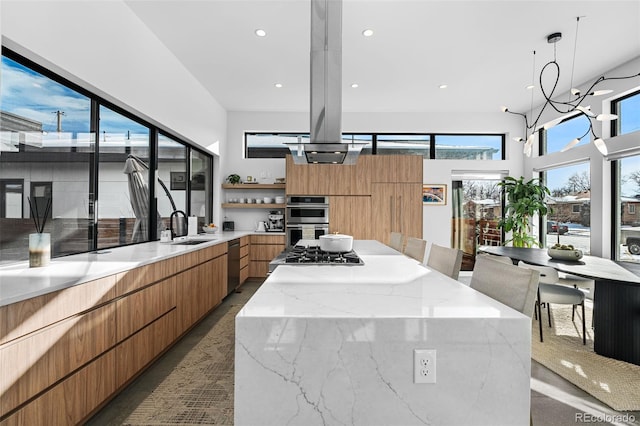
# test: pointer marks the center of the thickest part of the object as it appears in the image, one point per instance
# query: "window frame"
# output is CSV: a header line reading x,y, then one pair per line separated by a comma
x,y
542,136
615,109
96,101
374,141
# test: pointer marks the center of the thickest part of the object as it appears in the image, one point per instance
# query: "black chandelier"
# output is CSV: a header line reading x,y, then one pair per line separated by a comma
x,y
565,108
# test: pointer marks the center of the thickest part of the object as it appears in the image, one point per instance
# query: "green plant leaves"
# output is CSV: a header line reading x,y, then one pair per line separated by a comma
x,y
524,200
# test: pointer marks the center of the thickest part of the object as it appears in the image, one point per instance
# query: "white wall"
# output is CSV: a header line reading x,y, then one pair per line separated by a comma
x,y
436,219
103,46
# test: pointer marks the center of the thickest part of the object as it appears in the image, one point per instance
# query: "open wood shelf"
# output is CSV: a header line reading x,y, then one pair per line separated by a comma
x,y
253,186
252,206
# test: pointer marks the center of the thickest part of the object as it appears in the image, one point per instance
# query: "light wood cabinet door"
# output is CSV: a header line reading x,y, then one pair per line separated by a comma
x,y
383,211
72,400
397,168
36,361
409,204
329,179
351,215
396,207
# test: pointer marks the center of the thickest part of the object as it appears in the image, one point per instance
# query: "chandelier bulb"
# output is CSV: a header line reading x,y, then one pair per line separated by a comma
x,y
575,92
504,109
600,92
570,145
606,117
553,123
599,143
586,110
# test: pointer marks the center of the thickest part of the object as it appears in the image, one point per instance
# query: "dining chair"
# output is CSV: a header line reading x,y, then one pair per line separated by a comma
x,y
415,248
396,241
506,283
446,260
549,291
586,285
503,259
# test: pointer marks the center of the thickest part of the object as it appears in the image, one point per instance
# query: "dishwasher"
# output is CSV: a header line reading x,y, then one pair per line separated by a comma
x,y
233,265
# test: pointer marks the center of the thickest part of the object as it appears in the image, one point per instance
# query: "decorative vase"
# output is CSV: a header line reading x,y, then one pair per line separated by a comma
x,y
39,250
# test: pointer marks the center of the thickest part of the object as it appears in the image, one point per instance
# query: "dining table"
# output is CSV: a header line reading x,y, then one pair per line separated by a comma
x,y
616,298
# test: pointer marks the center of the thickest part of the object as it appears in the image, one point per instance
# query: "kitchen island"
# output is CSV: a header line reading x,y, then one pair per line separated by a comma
x,y
335,345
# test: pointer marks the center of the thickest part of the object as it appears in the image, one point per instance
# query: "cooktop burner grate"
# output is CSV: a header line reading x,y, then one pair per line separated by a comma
x,y
313,255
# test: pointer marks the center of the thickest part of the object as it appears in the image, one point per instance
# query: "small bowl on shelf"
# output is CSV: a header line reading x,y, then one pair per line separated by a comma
x,y
560,254
267,200
210,229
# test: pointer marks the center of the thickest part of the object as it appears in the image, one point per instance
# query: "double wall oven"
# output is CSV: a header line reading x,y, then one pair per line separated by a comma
x,y
307,217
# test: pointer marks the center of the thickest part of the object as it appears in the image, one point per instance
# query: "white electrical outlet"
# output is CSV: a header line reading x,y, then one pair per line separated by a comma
x,y
424,366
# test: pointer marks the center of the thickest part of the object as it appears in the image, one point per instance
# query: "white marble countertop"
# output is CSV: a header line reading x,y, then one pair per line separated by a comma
x,y
19,282
388,285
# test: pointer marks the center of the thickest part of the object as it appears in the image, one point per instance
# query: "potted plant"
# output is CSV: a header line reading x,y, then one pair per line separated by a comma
x,y
233,179
524,200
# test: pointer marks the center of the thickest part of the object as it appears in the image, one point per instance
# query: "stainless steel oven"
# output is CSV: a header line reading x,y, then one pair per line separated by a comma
x,y
307,209
296,233
307,217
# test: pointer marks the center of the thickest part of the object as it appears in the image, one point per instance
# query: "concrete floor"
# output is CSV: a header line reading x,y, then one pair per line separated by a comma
x,y
554,400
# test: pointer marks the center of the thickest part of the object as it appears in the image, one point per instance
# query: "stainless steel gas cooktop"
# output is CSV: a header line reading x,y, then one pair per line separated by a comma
x,y
312,255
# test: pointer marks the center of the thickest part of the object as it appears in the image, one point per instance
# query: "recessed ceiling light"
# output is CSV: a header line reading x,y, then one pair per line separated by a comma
x,y
278,85
355,85
367,33
443,86
261,33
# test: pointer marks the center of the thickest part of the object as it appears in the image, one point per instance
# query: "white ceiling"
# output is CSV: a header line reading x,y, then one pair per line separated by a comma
x,y
481,49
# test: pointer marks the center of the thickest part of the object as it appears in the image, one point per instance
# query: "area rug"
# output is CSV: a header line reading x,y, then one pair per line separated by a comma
x,y
615,383
200,389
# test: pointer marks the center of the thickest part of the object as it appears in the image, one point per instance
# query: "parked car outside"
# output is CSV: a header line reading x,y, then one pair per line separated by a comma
x,y
555,227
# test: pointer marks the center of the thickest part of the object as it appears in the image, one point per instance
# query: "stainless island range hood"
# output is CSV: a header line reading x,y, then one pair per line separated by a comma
x,y
326,91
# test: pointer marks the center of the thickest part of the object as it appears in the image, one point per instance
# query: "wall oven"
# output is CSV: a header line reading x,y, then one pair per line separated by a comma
x,y
296,233
307,217
307,209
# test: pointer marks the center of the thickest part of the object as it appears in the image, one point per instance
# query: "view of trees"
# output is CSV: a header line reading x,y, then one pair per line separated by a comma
x,y
576,183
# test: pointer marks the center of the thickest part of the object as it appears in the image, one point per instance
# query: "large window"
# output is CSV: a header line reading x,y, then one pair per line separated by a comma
x,y
46,145
98,188
429,146
404,145
469,147
627,234
476,210
123,185
557,137
628,111
570,205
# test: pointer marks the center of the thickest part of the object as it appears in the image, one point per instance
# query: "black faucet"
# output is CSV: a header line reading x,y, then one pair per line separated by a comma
x,y
178,226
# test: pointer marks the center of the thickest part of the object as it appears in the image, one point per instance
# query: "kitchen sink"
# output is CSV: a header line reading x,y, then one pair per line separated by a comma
x,y
190,242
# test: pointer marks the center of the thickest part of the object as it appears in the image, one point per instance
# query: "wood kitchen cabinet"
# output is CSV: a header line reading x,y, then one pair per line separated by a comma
x,y
329,179
397,168
65,353
351,215
396,207
262,250
244,259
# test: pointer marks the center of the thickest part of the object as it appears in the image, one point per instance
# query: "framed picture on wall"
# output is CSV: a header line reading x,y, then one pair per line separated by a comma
x,y
178,181
434,194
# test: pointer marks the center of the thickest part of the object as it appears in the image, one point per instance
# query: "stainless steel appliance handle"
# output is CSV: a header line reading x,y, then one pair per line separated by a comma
x,y
304,206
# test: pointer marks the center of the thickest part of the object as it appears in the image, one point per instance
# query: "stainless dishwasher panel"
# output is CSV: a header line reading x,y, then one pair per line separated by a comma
x,y
233,265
